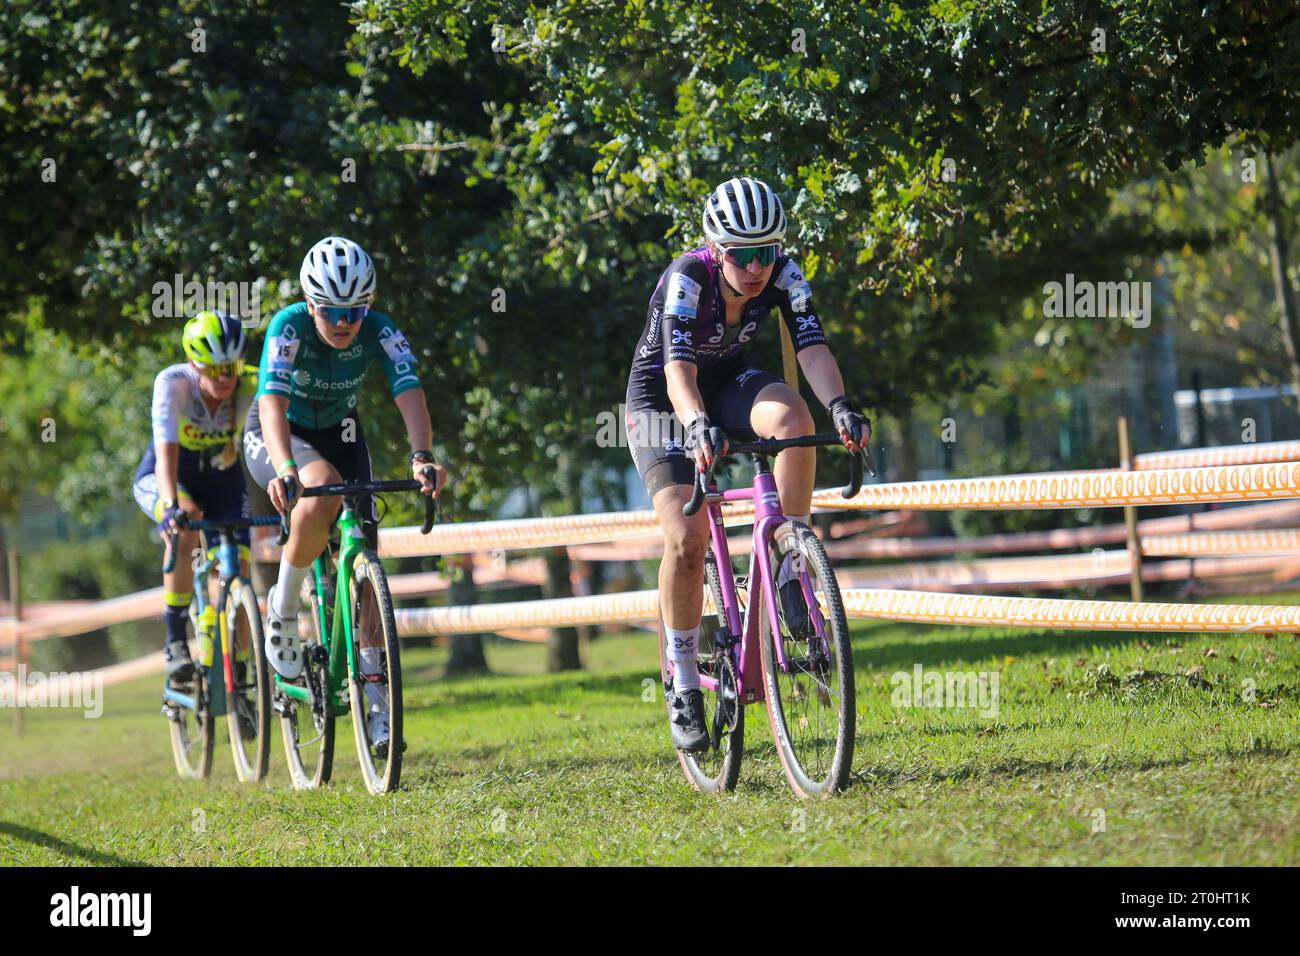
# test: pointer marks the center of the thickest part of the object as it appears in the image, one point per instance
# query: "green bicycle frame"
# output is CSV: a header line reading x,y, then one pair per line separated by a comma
x,y
341,662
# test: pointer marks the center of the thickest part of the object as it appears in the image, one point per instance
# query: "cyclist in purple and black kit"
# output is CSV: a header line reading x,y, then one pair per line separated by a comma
x,y
690,362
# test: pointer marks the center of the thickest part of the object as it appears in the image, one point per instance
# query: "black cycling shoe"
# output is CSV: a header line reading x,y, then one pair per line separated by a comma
x,y
688,721
795,610
180,666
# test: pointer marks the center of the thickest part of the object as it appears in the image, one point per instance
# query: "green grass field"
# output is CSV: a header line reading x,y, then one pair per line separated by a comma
x,y
1130,763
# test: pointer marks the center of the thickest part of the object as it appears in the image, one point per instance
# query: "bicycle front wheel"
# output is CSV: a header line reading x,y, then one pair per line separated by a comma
x,y
810,698
309,731
191,730
717,769
375,686
248,704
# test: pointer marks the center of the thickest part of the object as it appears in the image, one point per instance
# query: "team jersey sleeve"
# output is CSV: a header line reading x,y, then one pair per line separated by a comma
x,y
683,287
395,356
796,307
279,352
278,357
166,408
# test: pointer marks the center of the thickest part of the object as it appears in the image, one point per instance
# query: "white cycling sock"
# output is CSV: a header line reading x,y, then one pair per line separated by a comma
x,y
287,587
376,694
683,654
786,571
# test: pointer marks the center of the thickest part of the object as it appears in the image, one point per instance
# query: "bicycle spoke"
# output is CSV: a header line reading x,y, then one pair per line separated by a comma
x,y
811,706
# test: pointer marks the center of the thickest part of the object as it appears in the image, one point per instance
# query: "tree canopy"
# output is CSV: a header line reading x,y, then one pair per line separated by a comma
x,y
522,172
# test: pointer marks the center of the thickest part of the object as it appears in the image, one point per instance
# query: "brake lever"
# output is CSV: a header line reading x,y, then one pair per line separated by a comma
x,y
290,486
169,553
702,479
432,504
868,460
173,540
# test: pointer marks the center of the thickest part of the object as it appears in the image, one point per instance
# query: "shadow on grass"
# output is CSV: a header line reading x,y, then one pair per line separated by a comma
x,y
871,655
37,838
896,777
488,766
510,690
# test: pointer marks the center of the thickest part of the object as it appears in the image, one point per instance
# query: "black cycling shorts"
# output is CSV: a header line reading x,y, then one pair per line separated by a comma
x,y
656,438
351,459
218,493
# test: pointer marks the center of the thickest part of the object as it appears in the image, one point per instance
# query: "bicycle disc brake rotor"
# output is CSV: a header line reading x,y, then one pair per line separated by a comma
x,y
724,718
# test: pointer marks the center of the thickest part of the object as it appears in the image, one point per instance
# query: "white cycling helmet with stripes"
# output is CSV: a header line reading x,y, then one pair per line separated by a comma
x,y
744,212
337,271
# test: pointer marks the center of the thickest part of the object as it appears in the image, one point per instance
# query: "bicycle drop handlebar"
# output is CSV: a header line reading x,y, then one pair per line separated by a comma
x,y
769,448
432,506
183,523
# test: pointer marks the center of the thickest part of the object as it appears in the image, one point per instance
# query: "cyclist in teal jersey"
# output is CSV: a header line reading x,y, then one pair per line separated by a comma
x,y
304,423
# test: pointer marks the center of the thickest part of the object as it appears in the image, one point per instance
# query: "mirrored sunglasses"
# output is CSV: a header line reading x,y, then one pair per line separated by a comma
x,y
334,314
223,370
742,256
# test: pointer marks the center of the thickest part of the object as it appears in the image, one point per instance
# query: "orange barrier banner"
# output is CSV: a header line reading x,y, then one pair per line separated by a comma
x,y
80,619
1080,489
525,533
1247,454
1048,573
627,606
1282,540
1267,515
1070,489
979,609
860,603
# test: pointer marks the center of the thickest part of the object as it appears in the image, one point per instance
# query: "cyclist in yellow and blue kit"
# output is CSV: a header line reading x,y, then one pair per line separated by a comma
x,y
191,466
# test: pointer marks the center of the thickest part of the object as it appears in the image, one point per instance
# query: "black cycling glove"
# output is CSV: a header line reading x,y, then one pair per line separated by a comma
x,y
706,440
849,422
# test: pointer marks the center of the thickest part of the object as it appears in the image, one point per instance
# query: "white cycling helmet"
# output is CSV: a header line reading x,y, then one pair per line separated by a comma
x,y
744,212
337,271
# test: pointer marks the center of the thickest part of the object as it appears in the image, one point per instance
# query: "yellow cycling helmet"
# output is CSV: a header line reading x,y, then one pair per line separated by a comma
x,y
214,338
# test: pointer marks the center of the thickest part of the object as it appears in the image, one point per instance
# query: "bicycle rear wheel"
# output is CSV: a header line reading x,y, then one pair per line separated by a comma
x,y
718,768
192,735
377,687
810,702
248,706
309,732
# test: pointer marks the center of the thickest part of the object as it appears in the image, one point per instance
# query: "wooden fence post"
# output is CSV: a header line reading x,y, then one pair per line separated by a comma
x,y
1130,516
20,645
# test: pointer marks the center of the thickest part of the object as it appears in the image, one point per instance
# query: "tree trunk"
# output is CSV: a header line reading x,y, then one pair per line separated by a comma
x,y
1280,256
466,649
562,647
4,570
907,452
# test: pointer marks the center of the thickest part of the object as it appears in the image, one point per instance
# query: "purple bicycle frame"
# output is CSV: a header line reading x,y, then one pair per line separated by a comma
x,y
768,516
